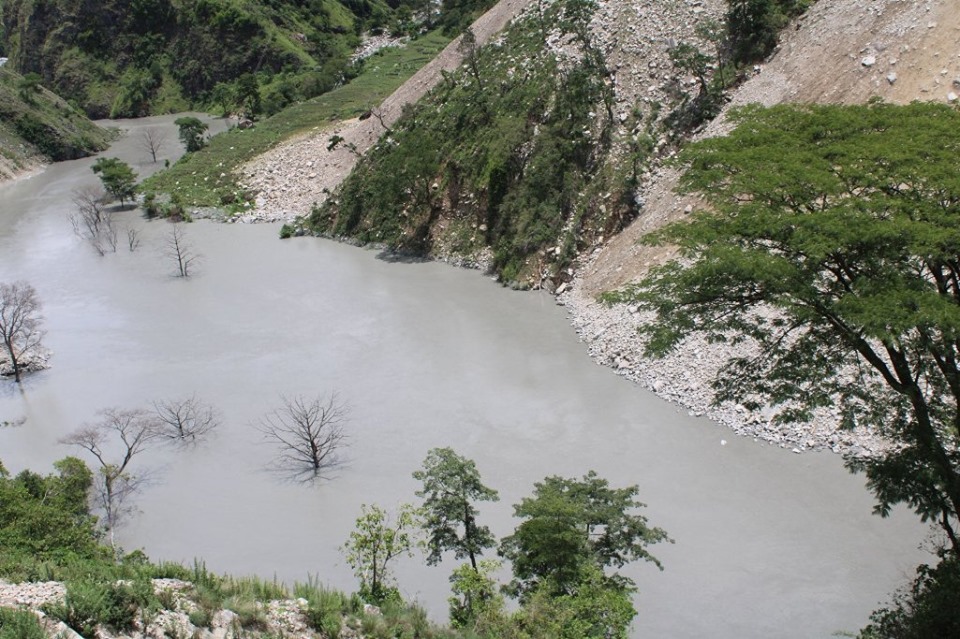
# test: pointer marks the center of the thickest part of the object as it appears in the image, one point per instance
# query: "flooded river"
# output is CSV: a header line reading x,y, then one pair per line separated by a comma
x,y
768,543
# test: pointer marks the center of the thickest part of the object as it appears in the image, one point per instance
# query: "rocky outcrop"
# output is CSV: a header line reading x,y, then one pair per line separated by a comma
x,y
285,618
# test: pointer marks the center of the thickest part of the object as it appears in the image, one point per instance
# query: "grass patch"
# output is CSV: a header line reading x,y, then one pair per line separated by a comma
x,y
206,178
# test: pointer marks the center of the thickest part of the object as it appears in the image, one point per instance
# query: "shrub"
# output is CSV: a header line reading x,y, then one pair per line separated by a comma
x,y
20,624
90,603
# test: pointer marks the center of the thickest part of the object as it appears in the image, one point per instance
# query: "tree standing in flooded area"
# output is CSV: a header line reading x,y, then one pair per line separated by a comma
x,y
308,436
451,484
20,325
129,431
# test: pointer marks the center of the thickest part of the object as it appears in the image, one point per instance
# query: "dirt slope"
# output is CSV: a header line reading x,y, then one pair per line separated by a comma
x,y
295,175
842,51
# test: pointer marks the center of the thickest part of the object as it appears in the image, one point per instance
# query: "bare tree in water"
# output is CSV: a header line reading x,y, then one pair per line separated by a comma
x,y
308,436
129,432
20,324
185,421
181,251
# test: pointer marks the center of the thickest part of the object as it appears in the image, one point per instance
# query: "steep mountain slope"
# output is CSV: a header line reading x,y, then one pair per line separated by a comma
x,y
841,51
531,153
300,173
36,126
126,59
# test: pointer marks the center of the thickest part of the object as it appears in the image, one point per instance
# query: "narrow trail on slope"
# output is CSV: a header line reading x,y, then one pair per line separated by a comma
x,y
301,172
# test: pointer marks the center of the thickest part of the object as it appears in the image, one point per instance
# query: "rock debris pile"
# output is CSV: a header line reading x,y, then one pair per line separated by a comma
x,y
685,376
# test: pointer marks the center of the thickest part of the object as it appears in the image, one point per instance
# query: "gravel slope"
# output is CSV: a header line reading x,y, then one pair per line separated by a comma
x,y
841,51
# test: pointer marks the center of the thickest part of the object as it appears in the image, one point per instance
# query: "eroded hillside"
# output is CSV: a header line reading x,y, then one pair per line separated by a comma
x,y
840,51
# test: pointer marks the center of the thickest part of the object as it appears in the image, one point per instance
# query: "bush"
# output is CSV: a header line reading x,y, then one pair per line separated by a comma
x,y
754,25
90,603
927,609
20,624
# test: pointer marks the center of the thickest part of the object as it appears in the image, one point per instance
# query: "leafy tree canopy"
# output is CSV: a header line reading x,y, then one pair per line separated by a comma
x,y
573,526
46,517
834,246
119,180
191,133
374,543
451,484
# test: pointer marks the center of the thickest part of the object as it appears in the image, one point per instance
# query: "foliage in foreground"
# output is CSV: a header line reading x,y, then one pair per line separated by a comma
x,y
927,608
20,624
833,252
48,534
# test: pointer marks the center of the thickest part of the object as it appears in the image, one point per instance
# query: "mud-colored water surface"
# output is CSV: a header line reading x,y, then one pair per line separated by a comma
x,y
768,543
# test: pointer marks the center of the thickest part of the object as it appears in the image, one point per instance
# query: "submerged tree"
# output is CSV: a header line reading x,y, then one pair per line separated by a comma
x,y
451,485
180,251
20,325
833,247
92,221
185,420
152,140
308,436
130,432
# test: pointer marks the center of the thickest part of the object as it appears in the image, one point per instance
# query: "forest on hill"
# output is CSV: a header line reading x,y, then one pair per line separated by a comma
x,y
130,59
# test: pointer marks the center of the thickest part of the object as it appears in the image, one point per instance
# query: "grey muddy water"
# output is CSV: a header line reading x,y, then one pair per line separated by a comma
x,y
767,543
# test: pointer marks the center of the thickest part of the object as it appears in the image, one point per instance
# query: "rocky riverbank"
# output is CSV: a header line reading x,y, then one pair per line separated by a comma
x,y
685,376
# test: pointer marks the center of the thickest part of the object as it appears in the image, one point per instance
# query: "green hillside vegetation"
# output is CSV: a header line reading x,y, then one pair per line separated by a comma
x,y
35,124
129,59
206,178
512,152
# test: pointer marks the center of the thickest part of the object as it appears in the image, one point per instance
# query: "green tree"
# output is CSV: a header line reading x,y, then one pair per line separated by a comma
x,y
222,95
593,608
374,543
248,94
754,25
192,133
573,526
46,517
834,247
928,608
28,87
451,485
476,597
119,180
